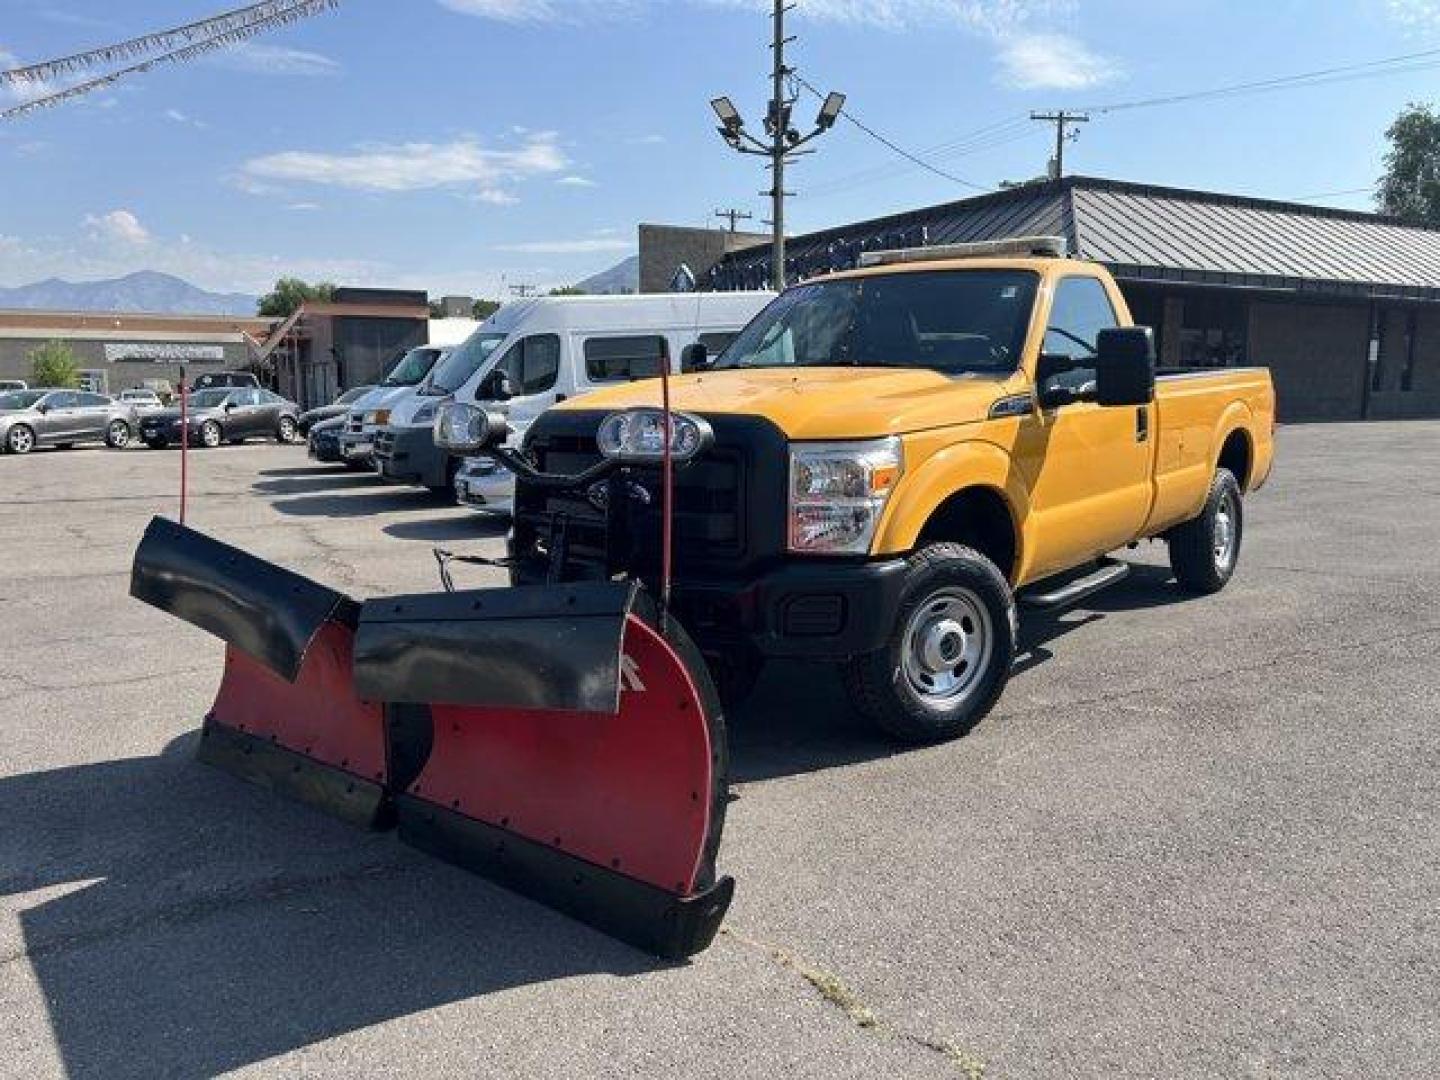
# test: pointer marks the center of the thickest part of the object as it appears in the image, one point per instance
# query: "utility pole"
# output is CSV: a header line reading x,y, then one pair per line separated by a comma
x,y
1062,121
733,216
784,139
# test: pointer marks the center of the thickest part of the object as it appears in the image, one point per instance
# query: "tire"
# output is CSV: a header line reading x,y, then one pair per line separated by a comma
x,y
210,435
285,433
735,673
117,435
20,439
1205,550
949,654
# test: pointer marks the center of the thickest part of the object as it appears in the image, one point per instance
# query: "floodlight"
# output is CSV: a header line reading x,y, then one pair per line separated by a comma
x,y
830,111
728,114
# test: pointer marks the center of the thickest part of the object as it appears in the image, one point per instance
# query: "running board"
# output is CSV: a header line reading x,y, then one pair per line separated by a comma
x,y
1076,589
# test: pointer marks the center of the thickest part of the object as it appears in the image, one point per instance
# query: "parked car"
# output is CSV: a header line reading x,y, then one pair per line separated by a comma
x,y
324,440
13,384
372,411
142,401
534,353
214,380
223,415
31,418
339,407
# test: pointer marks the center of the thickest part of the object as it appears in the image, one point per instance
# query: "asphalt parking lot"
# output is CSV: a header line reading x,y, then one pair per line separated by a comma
x,y
1197,838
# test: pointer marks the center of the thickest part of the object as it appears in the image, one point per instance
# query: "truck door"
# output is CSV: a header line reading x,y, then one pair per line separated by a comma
x,y
1089,469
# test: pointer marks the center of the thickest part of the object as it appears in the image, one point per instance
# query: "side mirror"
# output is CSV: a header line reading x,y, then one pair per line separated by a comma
x,y
229,406
695,357
1050,366
1125,366
42,408
497,387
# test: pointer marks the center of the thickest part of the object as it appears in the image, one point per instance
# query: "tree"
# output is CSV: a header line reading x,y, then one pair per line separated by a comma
x,y
568,290
1410,188
289,293
54,364
483,309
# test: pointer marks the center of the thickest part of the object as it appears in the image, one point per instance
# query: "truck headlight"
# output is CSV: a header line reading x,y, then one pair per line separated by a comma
x,y
838,491
638,436
465,429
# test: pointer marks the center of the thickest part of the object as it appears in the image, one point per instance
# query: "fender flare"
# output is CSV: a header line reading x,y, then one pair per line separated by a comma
x,y
973,464
1236,417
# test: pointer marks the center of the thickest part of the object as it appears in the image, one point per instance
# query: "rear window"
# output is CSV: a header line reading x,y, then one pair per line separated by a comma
x,y
618,358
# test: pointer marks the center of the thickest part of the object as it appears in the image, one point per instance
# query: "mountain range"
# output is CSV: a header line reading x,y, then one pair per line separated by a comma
x,y
144,291
623,277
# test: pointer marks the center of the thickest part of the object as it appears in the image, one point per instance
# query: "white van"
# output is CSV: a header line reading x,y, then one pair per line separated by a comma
x,y
370,411
532,353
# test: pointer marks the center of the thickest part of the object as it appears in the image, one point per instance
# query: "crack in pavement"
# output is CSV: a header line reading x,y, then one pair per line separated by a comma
x,y
34,687
833,990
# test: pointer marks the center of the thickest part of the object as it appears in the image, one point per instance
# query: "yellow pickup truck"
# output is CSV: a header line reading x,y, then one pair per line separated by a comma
x,y
897,453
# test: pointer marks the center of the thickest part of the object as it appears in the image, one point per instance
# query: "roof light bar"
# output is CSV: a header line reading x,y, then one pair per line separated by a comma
x,y
1050,247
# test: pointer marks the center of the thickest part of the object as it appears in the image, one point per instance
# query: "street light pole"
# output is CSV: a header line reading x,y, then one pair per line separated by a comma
x,y
784,139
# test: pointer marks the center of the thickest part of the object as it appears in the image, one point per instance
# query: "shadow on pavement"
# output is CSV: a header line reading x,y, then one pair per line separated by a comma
x,y
387,500
469,527
202,925
329,480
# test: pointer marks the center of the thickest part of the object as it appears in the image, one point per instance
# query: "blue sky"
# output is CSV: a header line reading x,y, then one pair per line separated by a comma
x,y
458,144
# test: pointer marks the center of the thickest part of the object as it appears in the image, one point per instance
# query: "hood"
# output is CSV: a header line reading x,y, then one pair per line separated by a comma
x,y
820,403
403,413
382,397
324,412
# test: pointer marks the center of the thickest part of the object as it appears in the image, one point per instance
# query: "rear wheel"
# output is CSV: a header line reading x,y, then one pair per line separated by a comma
x,y
287,429
20,440
117,435
1205,550
949,655
210,434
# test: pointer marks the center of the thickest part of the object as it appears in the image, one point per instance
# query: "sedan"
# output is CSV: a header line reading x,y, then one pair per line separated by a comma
x,y
31,418
339,407
221,415
324,440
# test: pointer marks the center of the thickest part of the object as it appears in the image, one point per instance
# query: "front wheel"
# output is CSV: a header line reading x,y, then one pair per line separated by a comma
x,y
20,440
1204,550
117,435
287,430
949,654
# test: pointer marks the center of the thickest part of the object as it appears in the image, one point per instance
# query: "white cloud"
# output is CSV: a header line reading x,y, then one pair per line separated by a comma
x,y
276,60
415,166
1420,14
589,246
522,11
496,197
182,118
1053,62
118,226
577,181
302,207
646,140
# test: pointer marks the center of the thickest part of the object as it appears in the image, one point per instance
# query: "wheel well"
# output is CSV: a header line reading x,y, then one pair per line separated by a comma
x,y
1235,456
978,518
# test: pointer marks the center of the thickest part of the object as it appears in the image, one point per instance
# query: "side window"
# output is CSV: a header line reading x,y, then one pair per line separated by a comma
x,y
541,366
613,359
269,397
64,400
94,401
1081,310
716,343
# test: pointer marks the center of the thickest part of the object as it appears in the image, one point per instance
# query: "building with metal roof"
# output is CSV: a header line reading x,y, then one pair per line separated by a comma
x,y
1343,306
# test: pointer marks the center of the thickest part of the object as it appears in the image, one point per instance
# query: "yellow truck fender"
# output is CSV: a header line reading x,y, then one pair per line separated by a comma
x,y
972,464
1236,417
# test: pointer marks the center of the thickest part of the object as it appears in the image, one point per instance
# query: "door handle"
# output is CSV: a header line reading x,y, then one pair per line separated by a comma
x,y
1142,424
559,398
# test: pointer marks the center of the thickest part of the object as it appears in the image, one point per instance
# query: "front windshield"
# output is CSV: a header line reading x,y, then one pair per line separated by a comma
x,y
455,370
208,399
350,395
20,399
413,367
950,321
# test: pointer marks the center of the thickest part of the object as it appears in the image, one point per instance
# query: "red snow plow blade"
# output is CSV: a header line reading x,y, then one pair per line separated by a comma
x,y
564,741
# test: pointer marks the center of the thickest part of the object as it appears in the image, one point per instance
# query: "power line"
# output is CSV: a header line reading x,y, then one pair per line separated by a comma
x,y
733,216
1416,61
1003,135
225,31
1335,194
848,115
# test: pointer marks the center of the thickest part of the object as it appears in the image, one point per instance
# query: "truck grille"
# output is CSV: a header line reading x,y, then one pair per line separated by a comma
x,y
355,424
729,505
384,444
